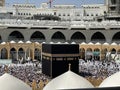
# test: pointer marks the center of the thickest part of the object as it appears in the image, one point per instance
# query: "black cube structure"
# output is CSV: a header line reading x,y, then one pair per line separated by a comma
x,y
57,57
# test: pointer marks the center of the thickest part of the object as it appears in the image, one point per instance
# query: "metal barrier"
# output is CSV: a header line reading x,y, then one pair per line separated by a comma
x,y
5,61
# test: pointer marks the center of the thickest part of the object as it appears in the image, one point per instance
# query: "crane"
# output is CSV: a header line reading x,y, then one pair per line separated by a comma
x,y
50,3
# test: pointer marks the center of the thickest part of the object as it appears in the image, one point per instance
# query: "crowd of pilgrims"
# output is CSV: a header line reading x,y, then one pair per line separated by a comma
x,y
31,73
102,69
97,71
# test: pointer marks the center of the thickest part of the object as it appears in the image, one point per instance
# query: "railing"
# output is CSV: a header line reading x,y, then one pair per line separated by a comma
x,y
96,40
66,24
5,61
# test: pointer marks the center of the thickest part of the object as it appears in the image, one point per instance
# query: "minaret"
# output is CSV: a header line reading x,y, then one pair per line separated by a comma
x,y
106,2
113,9
2,2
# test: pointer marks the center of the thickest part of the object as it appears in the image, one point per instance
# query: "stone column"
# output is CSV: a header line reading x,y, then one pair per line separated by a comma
x,y
25,55
33,51
100,54
8,56
17,54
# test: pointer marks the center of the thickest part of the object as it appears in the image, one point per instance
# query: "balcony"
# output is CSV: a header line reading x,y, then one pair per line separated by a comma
x,y
62,25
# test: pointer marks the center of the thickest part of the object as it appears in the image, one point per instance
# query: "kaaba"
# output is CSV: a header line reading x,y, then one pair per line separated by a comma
x,y
57,57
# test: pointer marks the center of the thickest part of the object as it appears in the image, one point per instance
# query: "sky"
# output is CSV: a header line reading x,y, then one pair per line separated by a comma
x,y
78,3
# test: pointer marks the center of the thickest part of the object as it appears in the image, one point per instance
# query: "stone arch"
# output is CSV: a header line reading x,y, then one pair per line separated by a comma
x,y
89,49
82,53
0,39
113,51
116,37
98,36
37,54
78,37
37,37
21,54
104,51
58,37
118,52
104,54
4,53
13,54
15,36
28,54
113,54
96,54
89,54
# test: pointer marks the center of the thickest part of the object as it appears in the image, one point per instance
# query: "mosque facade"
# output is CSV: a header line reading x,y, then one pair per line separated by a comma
x,y
89,23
